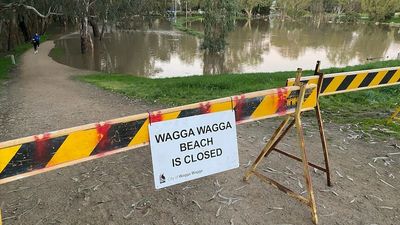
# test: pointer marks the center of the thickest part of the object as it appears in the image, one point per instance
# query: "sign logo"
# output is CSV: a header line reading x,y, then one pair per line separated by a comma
x,y
162,179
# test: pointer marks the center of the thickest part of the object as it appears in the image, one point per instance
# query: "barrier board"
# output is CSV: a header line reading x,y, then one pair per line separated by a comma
x,y
353,81
40,153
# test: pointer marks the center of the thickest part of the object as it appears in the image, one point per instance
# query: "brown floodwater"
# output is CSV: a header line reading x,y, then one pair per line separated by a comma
x,y
157,50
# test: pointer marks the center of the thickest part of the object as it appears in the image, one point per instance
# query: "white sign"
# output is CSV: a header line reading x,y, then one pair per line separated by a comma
x,y
193,147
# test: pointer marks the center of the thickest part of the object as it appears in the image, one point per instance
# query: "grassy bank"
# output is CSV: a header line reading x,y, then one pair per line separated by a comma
x,y
393,20
5,61
367,108
181,25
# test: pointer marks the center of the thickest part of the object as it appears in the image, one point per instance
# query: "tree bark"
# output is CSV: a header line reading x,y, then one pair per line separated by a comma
x,y
103,29
93,24
44,26
249,12
12,35
23,28
86,39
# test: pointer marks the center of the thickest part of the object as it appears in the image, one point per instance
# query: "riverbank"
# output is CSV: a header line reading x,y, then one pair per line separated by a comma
x,y
181,24
367,110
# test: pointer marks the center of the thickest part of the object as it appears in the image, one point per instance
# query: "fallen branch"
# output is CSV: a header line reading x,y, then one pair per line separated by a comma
x,y
218,211
339,174
215,195
240,188
387,183
198,205
385,207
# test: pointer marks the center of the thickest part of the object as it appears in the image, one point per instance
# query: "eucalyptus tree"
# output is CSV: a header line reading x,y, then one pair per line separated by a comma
x,y
218,21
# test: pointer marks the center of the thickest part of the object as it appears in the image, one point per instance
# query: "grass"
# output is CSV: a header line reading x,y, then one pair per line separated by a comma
x,y
369,109
5,61
393,20
180,25
5,67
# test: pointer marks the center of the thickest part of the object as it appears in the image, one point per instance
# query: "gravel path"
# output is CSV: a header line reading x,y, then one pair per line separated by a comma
x,y
43,97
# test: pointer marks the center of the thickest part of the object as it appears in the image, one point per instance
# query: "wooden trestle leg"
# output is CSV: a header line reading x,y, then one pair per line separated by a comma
x,y
285,126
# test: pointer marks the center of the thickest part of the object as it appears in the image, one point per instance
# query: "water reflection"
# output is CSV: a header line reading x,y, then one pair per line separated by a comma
x,y
254,46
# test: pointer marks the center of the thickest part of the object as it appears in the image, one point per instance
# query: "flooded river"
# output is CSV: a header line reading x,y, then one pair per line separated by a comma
x,y
256,46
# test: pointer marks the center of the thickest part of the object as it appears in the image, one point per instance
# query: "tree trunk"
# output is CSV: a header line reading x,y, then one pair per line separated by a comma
x,y
9,42
86,39
44,26
23,28
12,33
103,29
249,12
93,23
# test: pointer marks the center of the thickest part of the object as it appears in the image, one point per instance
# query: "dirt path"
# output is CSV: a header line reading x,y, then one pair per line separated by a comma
x,y
43,97
119,189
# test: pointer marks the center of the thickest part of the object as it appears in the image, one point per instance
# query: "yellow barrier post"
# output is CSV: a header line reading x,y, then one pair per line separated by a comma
x,y
321,124
292,119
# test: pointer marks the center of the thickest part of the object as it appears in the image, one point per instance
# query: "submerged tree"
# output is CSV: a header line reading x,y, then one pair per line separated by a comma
x,y
249,5
218,21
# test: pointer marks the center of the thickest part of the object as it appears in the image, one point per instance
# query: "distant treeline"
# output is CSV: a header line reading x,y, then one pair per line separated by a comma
x,y
20,19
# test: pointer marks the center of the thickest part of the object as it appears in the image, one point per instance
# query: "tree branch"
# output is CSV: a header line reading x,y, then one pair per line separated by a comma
x,y
17,5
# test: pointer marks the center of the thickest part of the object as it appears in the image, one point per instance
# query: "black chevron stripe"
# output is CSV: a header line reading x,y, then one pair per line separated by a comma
x,y
325,83
368,79
346,82
118,136
247,107
32,157
387,77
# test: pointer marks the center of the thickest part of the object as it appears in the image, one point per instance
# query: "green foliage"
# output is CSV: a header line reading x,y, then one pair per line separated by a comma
x,y
393,20
350,17
5,67
379,10
293,8
218,21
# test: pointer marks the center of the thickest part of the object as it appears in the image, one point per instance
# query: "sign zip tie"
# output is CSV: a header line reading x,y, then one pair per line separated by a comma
x,y
233,109
149,117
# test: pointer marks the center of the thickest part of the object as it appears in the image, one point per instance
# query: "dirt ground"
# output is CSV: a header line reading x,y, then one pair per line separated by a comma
x,y
119,189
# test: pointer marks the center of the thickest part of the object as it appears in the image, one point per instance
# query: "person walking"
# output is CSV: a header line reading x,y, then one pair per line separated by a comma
x,y
35,46
37,39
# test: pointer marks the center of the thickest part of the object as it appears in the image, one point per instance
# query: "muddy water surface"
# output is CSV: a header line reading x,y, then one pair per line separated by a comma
x,y
157,50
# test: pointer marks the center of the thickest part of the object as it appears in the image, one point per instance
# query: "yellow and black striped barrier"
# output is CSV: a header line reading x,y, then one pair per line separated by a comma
x,y
353,81
40,153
